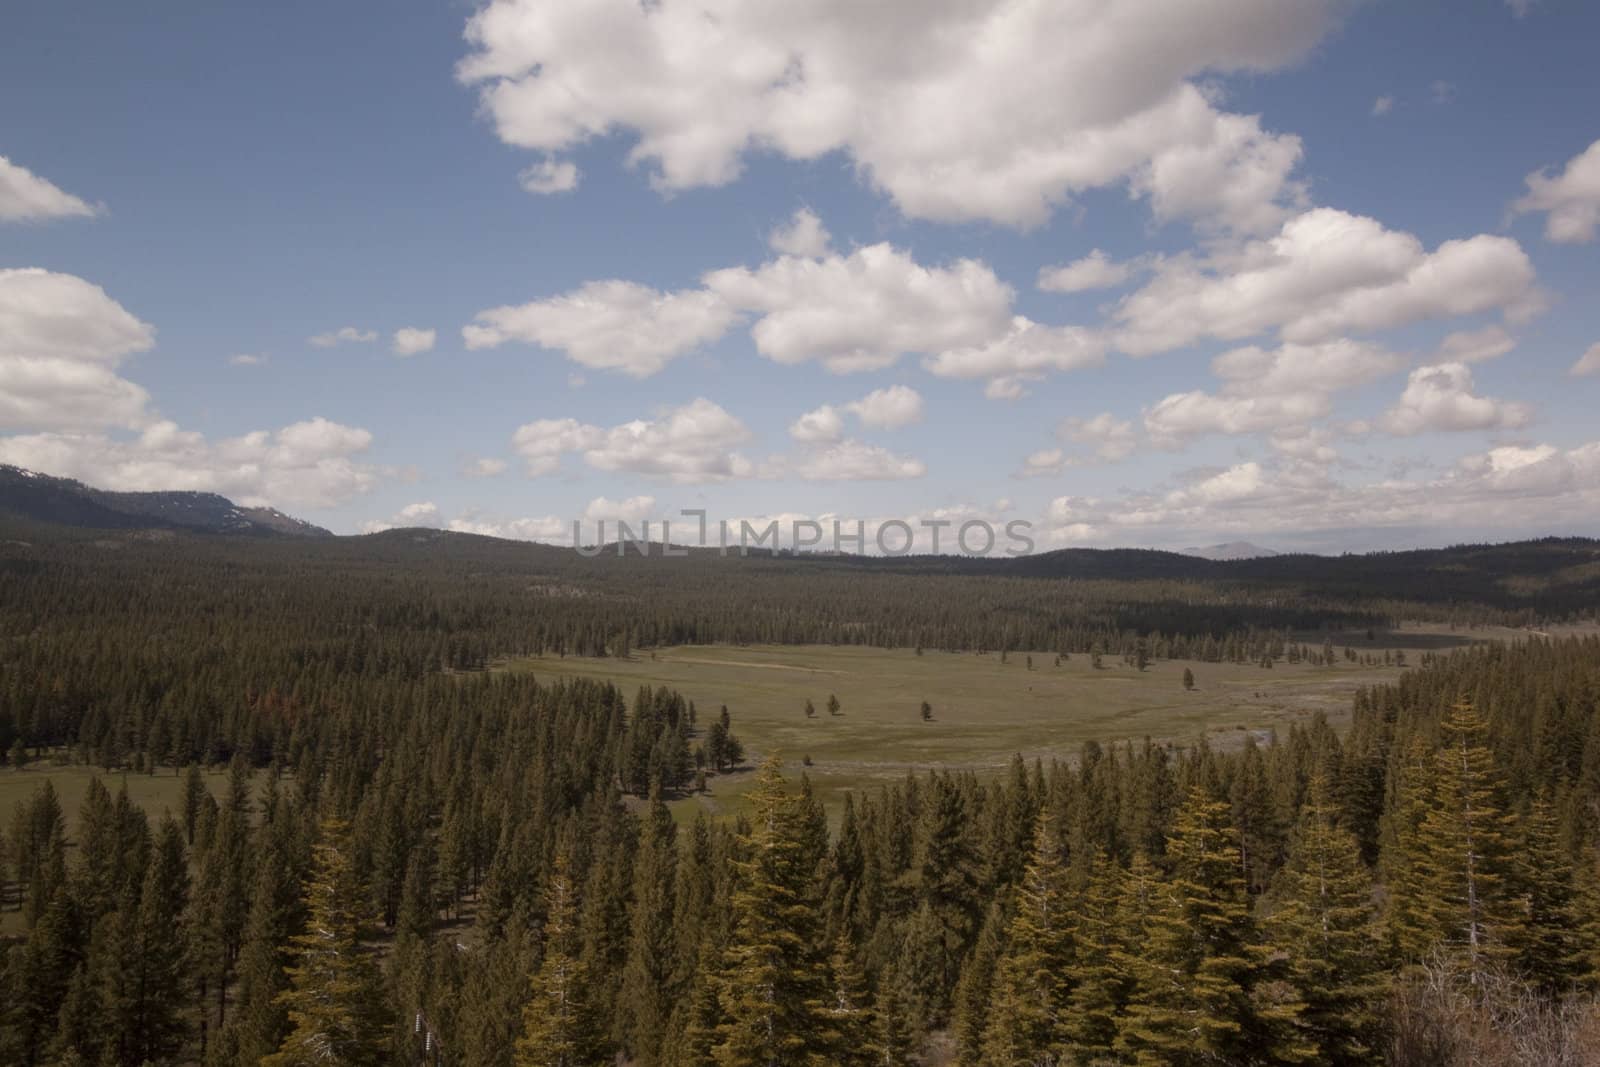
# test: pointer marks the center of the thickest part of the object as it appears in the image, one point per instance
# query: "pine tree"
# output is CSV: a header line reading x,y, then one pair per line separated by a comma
x,y
1322,920
559,1028
774,988
645,1003
333,999
1192,1002
1031,987
1548,935
156,1024
847,1016
1467,848
1099,974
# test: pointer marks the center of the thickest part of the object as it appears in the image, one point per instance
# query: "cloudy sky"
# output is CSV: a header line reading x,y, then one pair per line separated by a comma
x,y
1317,273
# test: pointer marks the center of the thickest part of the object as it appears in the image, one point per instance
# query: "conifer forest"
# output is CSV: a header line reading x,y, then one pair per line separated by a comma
x,y
408,856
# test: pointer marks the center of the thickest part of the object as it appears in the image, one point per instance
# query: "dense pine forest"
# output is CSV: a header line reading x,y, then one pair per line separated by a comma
x,y
416,859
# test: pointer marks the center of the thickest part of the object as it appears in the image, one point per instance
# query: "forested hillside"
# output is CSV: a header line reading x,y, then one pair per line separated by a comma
x,y
416,860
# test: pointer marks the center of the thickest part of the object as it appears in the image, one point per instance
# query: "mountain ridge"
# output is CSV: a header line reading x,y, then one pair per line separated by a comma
x,y
67,502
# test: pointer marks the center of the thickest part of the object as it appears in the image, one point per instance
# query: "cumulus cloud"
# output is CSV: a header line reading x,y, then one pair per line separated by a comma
x,y
315,463
1021,354
1475,346
634,509
692,443
1109,437
1094,271
424,513
485,467
26,197
996,109
1383,105
545,528
549,176
343,335
609,325
248,359
849,461
1588,363
1439,398
888,409
1326,273
1570,200
411,341
804,235
821,424
1499,488
1269,389
862,311
61,341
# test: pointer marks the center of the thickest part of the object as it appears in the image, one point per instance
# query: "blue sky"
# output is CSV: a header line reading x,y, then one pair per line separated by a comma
x,y
1293,205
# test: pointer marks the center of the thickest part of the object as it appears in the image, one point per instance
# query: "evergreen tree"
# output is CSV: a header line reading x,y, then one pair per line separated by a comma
x,y
333,999
1467,848
1322,920
1192,1003
1099,974
1026,1012
774,990
646,985
156,1027
559,1028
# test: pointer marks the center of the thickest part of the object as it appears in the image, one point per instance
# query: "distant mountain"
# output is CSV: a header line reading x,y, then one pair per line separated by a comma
x,y
1231,550
44,498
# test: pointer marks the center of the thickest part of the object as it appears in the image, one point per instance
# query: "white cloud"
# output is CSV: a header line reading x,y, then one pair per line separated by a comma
x,y
1383,105
1225,171
546,528
991,109
486,467
609,325
822,424
1439,398
888,409
424,514
692,443
26,197
1021,354
343,335
862,311
850,461
411,340
1269,390
1475,346
1008,388
549,176
1502,488
803,236
1324,274
632,510
1112,438
61,340
1045,462
1520,8
1444,92
1588,363
1570,200
248,359
1094,271
543,442
313,463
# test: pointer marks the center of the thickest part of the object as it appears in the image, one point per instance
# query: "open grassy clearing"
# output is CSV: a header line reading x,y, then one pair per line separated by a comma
x,y
983,710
